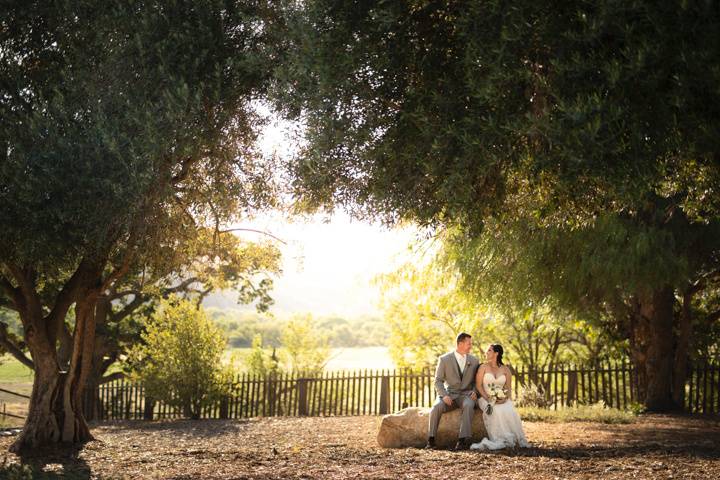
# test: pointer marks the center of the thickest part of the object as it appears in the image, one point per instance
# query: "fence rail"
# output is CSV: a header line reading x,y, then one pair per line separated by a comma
x,y
379,392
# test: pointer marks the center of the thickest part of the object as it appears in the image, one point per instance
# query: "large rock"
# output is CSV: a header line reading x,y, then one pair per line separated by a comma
x,y
409,428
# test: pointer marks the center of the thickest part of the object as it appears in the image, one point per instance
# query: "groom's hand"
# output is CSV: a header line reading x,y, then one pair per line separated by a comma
x,y
447,400
473,396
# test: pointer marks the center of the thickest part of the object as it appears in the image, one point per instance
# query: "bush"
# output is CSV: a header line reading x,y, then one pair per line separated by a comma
x,y
533,395
179,359
584,413
259,362
308,350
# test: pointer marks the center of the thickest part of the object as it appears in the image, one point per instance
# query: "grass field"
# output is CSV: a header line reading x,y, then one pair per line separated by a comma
x,y
11,370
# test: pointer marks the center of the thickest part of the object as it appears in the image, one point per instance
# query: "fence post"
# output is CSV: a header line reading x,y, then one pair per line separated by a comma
x,y
384,395
302,396
224,407
148,409
572,387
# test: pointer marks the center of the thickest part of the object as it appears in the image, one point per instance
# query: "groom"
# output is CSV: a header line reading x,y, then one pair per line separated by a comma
x,y
455,385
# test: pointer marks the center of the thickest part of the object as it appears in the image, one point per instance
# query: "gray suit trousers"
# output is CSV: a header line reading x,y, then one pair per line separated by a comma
x,y
468,409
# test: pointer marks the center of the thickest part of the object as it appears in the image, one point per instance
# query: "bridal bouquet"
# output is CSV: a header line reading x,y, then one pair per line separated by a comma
x,y
495,392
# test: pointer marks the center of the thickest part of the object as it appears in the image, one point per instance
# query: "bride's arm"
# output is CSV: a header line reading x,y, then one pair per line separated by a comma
x,y
479,382
508,384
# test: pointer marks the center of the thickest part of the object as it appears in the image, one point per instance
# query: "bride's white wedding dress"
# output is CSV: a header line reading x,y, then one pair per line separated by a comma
x,y
504,427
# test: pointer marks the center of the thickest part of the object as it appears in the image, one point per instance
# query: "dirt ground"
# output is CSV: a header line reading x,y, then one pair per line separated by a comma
x,y
655,447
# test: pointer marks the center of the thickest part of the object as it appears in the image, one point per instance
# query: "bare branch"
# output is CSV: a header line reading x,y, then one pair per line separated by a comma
x,y
122,269
26,297
123,293
128,309
254,231
12,348
111,377
184,170
181,286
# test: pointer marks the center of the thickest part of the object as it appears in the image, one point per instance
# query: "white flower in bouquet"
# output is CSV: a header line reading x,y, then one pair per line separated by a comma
x,y
495,392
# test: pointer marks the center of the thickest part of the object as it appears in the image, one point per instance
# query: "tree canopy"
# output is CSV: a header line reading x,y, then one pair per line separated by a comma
x,y
126,131
568,152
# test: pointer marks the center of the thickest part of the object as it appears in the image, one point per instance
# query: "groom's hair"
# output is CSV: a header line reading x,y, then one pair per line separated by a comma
x,y
462,336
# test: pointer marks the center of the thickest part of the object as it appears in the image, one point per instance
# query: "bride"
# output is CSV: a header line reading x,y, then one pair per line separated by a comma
x,y
503,424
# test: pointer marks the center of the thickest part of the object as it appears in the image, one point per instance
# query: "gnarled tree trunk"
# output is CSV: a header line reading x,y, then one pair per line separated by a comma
x,y
55,413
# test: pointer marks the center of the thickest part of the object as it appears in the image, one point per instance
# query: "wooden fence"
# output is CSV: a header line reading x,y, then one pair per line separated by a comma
x,y
379,392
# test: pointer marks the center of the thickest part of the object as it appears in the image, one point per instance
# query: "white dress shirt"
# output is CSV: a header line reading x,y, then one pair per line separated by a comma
x,y
461,361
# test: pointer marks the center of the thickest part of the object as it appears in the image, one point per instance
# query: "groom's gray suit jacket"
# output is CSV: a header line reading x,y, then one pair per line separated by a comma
x,y
449,380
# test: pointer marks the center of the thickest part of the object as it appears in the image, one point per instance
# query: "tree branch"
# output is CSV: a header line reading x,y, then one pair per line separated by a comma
x,y
181,286
111,377
128,309
254,231
12,292
12,348
124,293
26,295
184,170
67,296
123,268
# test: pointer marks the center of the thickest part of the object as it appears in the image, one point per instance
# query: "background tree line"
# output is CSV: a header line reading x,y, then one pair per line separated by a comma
x,y
241,327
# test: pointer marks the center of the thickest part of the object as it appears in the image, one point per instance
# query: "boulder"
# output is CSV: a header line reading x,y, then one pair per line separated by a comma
x,y
409,428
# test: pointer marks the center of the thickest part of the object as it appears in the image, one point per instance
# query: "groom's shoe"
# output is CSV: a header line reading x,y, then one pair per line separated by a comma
x,y
462,444
430,445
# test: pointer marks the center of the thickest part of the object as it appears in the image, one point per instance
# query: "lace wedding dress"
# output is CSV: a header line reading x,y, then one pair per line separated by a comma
x,y
504,427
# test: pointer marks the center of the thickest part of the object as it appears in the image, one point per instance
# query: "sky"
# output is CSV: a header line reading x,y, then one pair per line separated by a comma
x,y
328,267
328,262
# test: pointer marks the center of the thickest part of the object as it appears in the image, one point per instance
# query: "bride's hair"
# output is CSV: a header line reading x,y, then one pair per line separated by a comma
x,y
499,350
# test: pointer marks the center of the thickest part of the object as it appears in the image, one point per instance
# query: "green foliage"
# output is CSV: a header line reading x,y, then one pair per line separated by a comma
x,y
241,327
426,311
306,348
532,395
568,155
583,413
429,304
101,115
637,408
179,361
259,362
438,111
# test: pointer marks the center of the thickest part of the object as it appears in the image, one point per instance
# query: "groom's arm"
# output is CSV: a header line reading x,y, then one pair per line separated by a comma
x,y
440,379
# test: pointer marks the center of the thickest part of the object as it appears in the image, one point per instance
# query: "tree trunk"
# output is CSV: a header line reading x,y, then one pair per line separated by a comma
x,y
103,348
653,348
44,420
48,414
55,413
681,350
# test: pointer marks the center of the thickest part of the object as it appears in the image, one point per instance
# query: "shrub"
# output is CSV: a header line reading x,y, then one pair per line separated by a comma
x,y
259,362
179,359
584,413
308,350
533,395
